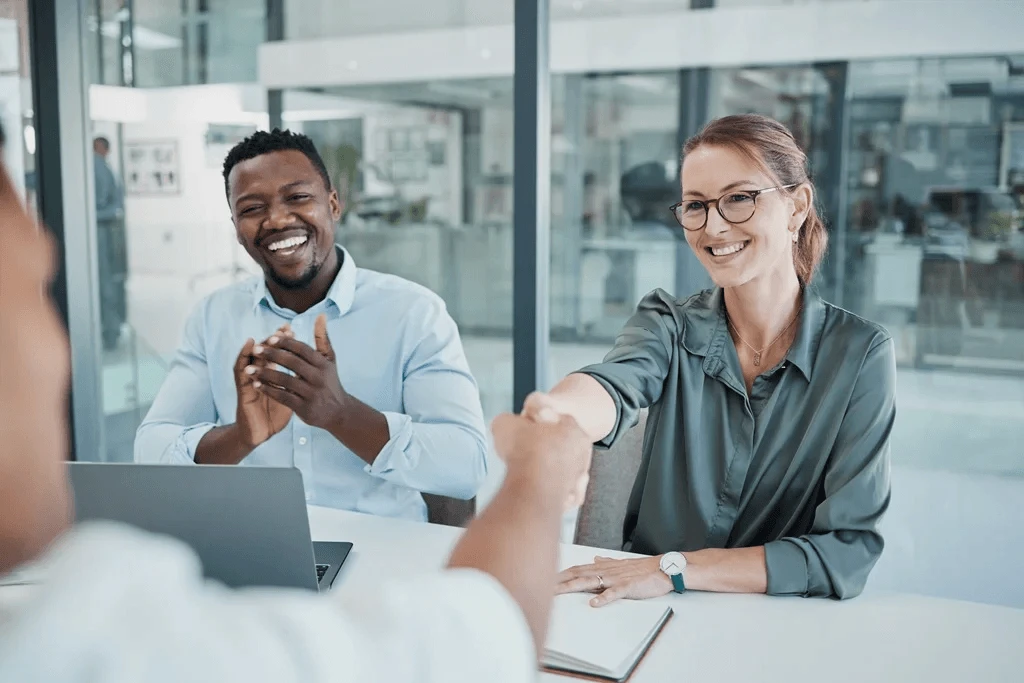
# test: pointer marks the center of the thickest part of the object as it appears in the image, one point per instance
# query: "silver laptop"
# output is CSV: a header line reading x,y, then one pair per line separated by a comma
x,y
248,525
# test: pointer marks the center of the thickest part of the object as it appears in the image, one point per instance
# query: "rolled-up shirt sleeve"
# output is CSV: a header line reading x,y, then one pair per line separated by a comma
x,y
184,410
835,558
438,444
634,370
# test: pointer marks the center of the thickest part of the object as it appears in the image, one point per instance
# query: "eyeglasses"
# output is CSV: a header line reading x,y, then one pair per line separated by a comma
x,y
734,207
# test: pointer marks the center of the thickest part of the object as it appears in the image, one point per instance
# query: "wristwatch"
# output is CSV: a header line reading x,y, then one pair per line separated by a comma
x,y
673,565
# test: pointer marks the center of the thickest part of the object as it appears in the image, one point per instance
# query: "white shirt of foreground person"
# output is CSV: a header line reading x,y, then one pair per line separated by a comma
x,y
120,606
397,350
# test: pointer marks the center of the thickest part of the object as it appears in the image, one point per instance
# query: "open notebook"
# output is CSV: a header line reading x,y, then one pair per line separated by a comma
x,y
601,642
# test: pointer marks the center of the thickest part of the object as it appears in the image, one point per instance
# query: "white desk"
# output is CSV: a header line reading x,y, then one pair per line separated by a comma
x,y
744,638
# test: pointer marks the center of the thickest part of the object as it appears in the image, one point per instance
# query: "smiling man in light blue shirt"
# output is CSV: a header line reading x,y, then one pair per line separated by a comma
x,y
357,378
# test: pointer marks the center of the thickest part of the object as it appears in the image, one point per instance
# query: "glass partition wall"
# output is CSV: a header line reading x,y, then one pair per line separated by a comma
x,y
918,161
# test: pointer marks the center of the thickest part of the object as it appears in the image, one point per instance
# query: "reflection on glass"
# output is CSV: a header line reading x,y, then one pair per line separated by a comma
x,y
424,172
157,44
614,174
163,234
919,165
922,194
936,212
935,248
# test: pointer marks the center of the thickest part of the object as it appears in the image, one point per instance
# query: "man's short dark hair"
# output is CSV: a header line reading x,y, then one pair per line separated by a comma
x,y
261,142
101,140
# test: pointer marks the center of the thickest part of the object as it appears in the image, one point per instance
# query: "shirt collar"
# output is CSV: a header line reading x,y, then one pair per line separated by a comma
x,y
703,316
342,292
705,330
808,335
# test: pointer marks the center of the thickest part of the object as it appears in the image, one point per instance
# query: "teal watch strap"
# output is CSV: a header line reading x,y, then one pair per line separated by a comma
x,y
677,583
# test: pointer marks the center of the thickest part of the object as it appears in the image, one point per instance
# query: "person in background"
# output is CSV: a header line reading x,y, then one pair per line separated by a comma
x,y
766,458
111,247
117,605
356,378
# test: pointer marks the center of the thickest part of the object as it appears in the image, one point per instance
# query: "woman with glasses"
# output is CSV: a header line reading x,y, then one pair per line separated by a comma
x,y
765,462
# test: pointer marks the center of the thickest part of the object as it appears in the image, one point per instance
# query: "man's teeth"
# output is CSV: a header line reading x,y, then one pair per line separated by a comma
x,y
288,243
729,249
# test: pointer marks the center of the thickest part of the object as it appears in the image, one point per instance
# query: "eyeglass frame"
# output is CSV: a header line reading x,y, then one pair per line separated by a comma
x,y
718,207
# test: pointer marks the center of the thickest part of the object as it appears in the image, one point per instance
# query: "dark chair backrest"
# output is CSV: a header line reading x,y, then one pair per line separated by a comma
x,y
612,474
449,511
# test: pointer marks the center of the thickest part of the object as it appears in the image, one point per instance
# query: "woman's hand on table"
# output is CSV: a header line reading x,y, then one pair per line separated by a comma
x,y
632,579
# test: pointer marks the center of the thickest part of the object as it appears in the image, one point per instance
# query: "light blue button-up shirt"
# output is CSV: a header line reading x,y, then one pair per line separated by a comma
x,y
397,350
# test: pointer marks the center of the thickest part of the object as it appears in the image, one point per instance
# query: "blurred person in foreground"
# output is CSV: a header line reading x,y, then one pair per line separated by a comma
x,y
118,605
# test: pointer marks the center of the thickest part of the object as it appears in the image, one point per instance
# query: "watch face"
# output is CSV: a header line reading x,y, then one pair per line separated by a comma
x,y
673,563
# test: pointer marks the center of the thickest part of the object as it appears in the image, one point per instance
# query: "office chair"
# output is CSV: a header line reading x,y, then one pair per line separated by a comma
x,y
449,511
612,474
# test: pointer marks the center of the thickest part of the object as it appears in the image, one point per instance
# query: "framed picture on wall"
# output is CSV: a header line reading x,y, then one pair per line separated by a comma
x,y
152,167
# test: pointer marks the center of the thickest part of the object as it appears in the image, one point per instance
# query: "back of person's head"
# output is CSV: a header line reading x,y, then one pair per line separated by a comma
x,y
263,142
772,147
646,189
34,497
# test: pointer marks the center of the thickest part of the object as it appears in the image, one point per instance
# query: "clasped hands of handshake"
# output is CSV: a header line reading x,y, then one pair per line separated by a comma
x,y
546,452
543,409
611,579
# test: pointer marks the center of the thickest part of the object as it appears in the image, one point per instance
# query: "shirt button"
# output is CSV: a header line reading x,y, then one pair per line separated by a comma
x,y
302,441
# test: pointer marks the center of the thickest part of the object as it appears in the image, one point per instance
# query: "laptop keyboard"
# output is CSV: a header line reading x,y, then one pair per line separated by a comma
x,y
321,569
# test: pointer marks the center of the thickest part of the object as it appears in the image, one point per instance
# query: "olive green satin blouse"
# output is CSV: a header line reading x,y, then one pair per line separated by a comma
x,y
800,465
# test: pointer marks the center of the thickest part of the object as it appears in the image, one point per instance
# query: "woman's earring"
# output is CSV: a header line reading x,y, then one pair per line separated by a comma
x,y
796,235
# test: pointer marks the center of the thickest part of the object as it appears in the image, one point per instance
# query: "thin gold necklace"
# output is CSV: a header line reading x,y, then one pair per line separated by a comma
x,y
758,352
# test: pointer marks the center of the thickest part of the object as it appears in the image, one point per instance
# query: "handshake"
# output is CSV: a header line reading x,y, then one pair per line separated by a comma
x,y
546,446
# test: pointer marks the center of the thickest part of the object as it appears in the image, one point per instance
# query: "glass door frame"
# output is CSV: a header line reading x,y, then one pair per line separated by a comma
x,y
66,206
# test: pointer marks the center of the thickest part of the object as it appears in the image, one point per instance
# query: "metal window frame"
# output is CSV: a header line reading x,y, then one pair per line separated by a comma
x,y
275,31
531,206
66,191
694,107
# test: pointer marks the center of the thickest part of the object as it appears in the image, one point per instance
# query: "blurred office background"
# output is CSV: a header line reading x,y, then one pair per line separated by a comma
x,y
912,113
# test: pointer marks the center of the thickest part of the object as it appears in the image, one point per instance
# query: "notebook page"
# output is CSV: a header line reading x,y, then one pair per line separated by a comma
x,y
607,638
